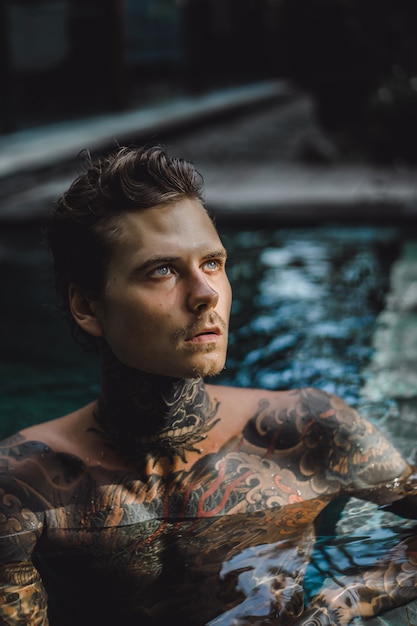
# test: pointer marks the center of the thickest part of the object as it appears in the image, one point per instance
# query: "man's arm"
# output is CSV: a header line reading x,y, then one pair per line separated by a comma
x,y
390,584
23,599
326,446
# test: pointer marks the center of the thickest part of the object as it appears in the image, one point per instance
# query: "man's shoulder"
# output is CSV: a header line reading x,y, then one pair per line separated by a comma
x,y
31,437
54,433
36,451
241,404
251,396
19,446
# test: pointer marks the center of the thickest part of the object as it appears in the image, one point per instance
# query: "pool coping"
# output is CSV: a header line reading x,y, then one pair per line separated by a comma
x,y
38,164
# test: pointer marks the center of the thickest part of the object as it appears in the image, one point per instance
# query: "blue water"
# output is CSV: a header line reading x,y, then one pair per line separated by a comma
x,y
305,305
304,311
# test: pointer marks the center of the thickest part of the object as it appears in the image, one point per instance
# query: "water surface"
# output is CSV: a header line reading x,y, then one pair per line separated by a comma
x,y
304,311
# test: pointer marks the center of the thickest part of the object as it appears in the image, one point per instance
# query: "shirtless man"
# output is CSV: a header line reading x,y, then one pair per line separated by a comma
x,y
131,509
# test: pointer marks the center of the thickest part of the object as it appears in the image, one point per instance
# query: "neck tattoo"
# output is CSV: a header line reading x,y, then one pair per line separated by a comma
x,y
141,415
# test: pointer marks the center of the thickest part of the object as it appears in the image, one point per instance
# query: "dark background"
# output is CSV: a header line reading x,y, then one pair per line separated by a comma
x,y
62,59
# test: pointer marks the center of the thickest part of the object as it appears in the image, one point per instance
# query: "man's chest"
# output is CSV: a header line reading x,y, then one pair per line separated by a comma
x,y
188,567
228,484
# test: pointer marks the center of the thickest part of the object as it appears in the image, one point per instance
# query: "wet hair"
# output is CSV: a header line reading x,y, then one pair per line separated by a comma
x,y
83,225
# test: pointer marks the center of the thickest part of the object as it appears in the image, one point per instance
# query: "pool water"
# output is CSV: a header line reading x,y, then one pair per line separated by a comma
x,y
304,311
305,304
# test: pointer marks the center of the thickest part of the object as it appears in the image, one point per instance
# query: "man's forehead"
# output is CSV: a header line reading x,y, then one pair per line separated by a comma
x,y
170,213
166,229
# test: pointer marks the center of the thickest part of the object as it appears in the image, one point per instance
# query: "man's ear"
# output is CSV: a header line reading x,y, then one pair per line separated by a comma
x,y
83,310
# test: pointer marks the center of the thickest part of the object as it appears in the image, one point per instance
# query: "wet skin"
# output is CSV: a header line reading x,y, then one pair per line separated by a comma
x,y
128,507
294,453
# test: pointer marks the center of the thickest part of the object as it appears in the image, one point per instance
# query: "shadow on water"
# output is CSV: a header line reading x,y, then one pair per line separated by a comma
x,y
304,310
43,373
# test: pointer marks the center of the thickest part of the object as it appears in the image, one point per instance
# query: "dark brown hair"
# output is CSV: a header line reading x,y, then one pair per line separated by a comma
x,y
80,231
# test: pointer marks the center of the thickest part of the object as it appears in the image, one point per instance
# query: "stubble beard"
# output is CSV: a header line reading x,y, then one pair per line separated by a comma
x,y
206,370
203,370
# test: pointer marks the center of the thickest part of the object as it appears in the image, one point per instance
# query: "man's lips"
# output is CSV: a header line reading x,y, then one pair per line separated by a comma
x,y
205,334
203,330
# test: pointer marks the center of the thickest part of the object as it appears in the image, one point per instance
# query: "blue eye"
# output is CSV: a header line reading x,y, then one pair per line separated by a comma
x,y
212,265
162,271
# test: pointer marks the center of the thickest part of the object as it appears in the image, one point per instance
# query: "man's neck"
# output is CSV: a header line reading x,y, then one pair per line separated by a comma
x,y
142,414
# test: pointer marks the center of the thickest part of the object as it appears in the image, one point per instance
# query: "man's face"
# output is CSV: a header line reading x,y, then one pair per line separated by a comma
x,y
166,302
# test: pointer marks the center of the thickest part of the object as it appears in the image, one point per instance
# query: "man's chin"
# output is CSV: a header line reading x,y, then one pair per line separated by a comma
x,y
207,371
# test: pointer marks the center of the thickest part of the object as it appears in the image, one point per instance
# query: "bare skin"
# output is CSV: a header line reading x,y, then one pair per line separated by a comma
x,y
280,452
127,509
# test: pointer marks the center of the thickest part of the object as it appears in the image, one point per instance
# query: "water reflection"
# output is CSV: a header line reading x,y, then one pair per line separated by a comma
x,y
194,569
262,568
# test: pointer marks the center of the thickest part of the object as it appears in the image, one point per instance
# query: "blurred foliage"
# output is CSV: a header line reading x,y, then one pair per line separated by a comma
x,y
359,59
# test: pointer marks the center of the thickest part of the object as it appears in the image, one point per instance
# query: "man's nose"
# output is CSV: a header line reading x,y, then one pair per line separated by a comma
x,y
201,294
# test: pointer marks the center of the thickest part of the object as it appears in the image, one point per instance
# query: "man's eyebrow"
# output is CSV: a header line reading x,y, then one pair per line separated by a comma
x,y
166,260
222,253
156,260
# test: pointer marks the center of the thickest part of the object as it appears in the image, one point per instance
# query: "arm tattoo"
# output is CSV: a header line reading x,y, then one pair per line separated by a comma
x,y
327,442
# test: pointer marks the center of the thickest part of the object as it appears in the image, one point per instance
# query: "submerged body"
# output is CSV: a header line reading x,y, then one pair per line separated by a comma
x,y
148,539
